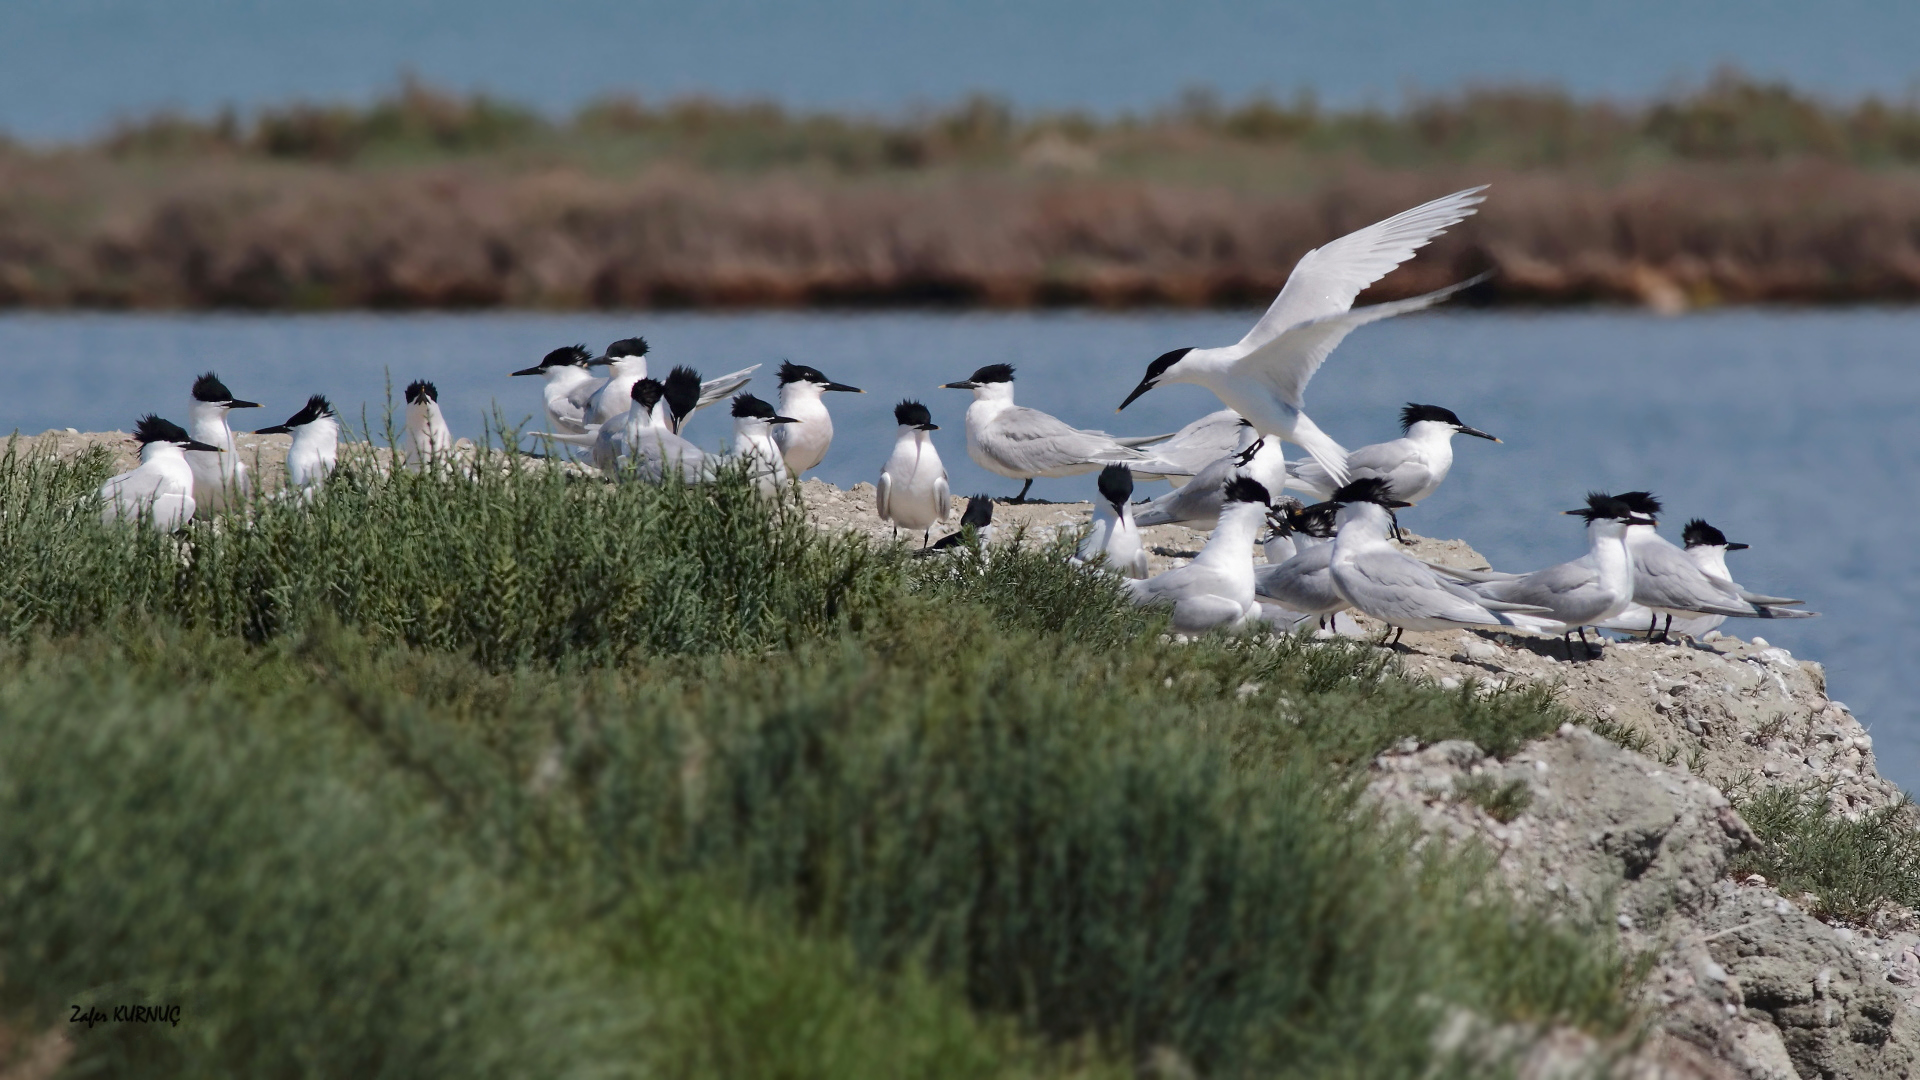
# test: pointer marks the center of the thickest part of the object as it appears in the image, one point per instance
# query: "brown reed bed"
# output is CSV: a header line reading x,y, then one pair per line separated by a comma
x,y
1738,193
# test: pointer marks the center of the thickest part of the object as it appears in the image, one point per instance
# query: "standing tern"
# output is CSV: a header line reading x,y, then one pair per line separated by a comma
x,y
805,441
912,492
565,371
1202,443
1196,504
604,400
316,443
1380,581
219,478
753,424
1413,465
1216,588
1264,376
160,488
976,520
428,438
643,440
1114,533
1022,443
1668,581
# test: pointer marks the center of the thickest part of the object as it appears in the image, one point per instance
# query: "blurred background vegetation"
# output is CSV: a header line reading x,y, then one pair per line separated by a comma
x,y
1737,190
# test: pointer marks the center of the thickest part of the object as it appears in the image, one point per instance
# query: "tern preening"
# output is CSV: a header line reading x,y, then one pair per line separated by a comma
x,y
160,488
1216,588
1264,376
428,438
1196,504
565,371
219,476
1413,465
753,424
1021,443
1113,533
643,441
912,493
316,442
805,441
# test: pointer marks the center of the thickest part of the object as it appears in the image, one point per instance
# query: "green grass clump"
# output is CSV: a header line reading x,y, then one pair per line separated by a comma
x,y
1852,868
814,808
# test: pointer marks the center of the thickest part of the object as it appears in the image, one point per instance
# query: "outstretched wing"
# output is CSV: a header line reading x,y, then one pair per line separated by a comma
x,y
1326,279
725,386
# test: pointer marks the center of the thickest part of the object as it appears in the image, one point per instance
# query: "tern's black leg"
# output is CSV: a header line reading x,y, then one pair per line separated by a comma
x,y
1247,454
1567,640
1666,632
1022,497
1398,633
1587,645
1653,620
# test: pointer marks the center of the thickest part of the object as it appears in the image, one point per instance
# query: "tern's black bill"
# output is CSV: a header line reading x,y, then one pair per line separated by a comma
x,y
277,429
783,420
196,444
966,385
534,370
1145,385
243,404
1476,432
1737,547
843,387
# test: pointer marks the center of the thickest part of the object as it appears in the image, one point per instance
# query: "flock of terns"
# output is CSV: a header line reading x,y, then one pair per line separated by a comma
x,y
1339,554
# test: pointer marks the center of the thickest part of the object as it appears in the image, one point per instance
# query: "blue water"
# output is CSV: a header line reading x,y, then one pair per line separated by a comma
x,y
1790,430
68,67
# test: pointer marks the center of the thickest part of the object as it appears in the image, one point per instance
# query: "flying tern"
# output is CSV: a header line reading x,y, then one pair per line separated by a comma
x,y
1022,443
160,488
1114,533
805,441
1216,588
1413,465
219,478
316,443
912,492
428,438
1264,376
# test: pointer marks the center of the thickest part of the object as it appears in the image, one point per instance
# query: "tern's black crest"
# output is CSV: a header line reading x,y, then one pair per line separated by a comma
x,y
1413,414
791,372
209,388
648,392
1700,534
420,390
1641,502
1246,489
910,413
1602,505
979,513
567,355
316,407
1316,520
683,390
1116,485
1371,489
627,346
152,429
745,405
993,373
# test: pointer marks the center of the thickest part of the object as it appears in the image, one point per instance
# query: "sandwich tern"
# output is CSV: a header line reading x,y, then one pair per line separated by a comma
x,y
643,440
976,520
565,371
316,442
1022,443
1668,581
1574,595
1301,586
606,399
1114,533
1196,504
1202,443
427,438
219,476
805,441
1216,588
1282,542
1380,581
1264,376
1413,465
753,424
912,492
160,488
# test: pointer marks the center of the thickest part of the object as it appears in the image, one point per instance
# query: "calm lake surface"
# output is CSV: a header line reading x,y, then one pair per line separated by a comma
x,y
1793,431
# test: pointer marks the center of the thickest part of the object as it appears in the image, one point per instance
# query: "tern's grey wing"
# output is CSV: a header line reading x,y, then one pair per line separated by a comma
x,y
1200,443
1395,588
1663,577
725,386
1303,582
1758,600
1032,442
1094,544
1462,574
1405,474
1198,501
580,396
1306,476
1285,363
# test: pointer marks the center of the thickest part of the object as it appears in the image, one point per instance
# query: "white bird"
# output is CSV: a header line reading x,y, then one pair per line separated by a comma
x,y
753,424
1201,443
1114,533
428,438
976,519
1572,596
160,488
1196,504
643,439
565,371
912,492
603,400
805,441
1382,582
219,478
1216,588
316,443
1669,581
1264,376
1413,465
1301,586
1022,443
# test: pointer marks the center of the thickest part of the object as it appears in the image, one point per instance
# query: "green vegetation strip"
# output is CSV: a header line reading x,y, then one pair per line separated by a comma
x,y
788,806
